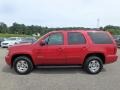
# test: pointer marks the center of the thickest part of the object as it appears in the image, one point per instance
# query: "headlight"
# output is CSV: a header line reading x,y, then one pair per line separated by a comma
x,y
11,44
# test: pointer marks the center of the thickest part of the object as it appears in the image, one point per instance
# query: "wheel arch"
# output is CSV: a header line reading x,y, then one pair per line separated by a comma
x,y
17,55
98,54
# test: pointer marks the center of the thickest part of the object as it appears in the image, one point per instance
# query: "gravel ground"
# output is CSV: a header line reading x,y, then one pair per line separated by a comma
x,y
60,78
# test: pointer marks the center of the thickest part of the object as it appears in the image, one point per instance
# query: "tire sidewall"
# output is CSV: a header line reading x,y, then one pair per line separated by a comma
x,y
23,58
88,60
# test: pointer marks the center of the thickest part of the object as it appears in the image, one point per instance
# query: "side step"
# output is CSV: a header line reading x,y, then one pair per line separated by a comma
x,y
59,66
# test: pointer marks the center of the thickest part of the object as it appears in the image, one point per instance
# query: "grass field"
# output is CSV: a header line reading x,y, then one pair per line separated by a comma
x,y
13,35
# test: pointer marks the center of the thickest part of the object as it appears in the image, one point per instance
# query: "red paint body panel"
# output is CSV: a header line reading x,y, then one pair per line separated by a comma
x,y
63,54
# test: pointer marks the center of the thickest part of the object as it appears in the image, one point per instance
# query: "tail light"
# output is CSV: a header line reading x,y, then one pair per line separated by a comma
x,y
115,49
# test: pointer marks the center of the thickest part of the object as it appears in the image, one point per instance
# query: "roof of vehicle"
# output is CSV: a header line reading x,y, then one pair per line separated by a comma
x,y
78,31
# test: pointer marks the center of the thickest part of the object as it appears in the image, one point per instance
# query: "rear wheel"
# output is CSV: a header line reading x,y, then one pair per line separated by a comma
x,y
22,65
93,65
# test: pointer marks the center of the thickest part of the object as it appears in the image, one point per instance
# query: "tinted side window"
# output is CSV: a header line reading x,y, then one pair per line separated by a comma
x,y
55,39
100,37
76,38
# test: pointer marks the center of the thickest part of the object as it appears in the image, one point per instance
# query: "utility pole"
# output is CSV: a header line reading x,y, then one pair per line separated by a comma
x,y
98,23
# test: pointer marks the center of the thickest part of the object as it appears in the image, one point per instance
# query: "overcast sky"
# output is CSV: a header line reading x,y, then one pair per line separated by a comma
x,y
60,13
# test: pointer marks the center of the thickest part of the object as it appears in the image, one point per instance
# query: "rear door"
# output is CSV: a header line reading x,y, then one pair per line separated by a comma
x,y
75,48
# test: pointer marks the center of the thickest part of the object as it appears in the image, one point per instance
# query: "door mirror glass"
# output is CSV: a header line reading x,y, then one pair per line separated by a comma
x,y
42,43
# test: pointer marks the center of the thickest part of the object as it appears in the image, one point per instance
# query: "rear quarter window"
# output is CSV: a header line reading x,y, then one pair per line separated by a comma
x,y
100,37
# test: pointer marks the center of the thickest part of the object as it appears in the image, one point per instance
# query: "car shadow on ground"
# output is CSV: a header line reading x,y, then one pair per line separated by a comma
x,y
70,70
58,70
7,69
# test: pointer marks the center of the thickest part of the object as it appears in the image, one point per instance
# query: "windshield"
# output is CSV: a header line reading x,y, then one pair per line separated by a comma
x,y
11,39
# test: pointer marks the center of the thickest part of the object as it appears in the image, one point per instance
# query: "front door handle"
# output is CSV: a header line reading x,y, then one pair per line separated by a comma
x,y
84,47
60,49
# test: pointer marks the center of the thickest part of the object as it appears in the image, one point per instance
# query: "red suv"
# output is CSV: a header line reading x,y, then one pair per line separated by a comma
x,y
87,48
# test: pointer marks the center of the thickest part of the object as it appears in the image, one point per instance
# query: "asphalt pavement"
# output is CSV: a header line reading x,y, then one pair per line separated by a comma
x,y
60,78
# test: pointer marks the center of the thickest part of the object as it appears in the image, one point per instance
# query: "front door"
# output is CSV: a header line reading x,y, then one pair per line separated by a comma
x,y
53,51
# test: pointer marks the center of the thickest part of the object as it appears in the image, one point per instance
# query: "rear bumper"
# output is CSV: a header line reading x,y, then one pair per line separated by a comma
x,y
111,59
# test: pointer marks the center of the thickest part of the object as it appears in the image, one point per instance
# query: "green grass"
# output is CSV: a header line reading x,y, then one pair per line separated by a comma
x,y
13,35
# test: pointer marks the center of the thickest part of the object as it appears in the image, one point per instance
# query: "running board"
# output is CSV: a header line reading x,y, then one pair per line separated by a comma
x,y
59,66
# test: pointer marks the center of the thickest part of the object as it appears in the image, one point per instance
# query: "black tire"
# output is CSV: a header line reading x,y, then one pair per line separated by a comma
x,y
90,69
27,62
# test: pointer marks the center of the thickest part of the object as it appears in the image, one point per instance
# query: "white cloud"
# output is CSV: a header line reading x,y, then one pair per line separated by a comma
x,y
58,13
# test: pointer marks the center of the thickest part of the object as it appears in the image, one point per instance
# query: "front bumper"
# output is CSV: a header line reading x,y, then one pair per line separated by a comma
x,y
7,45
8,60
4,45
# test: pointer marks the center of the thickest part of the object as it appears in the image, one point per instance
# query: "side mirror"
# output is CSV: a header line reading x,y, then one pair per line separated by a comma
x,y
42,43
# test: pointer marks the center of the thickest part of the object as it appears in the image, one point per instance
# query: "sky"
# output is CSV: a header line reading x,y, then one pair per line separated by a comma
x,y
61,13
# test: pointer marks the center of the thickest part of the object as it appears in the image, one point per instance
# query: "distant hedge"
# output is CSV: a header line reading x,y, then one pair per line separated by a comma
x,y
21,29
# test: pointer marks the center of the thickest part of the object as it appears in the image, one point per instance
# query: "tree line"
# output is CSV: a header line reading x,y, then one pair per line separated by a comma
x,y
34,29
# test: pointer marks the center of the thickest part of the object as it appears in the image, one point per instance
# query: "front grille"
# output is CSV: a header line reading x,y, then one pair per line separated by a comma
x,y
4,43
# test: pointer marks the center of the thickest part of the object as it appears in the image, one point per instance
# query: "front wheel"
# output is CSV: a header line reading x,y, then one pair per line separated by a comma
x,y
22,65
93,65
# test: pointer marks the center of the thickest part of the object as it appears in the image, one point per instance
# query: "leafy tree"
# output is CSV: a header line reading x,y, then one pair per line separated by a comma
x,y
3,28
34,29
113,29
